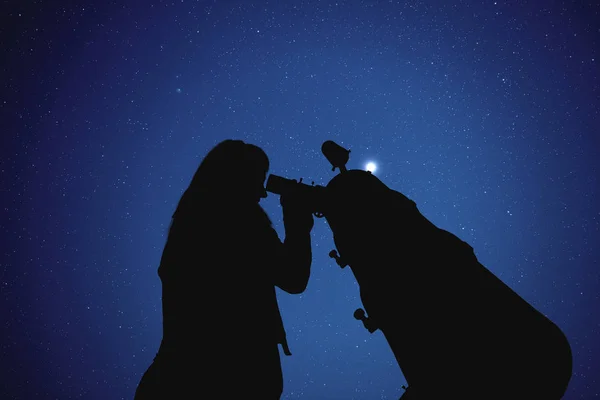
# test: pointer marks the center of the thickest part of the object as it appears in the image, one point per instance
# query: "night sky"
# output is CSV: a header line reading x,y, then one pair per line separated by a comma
x,y
485,113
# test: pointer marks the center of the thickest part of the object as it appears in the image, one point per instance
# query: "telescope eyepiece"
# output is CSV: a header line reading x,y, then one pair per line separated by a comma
x,y
279,185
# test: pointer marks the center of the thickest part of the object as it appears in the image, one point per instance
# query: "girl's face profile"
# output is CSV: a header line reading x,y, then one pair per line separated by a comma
x,y
261,192
252,185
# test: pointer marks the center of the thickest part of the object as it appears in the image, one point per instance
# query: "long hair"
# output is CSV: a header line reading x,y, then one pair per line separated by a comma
x,y
223,171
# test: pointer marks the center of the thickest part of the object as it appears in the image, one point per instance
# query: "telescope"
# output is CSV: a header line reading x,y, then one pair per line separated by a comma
x,y
314,195
455,329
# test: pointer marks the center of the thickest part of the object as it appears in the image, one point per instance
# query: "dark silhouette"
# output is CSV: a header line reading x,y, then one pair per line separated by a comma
x,y
456,330
219,268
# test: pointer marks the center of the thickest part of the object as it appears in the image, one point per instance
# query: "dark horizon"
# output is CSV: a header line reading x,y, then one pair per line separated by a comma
x,y
485,114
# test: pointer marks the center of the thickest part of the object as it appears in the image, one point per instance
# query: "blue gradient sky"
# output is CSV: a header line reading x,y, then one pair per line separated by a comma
x,y
484,113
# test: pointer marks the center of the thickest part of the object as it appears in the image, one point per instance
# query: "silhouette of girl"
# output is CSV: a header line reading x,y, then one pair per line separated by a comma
x,y
219,268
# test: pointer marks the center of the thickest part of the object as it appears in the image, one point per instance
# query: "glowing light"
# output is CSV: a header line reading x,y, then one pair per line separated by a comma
x,y
371,166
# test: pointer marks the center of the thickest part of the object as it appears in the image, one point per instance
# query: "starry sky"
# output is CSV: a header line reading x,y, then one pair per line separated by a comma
x,y
486,113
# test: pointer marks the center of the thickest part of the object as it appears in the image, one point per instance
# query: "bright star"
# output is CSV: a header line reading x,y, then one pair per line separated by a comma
x,y
371,166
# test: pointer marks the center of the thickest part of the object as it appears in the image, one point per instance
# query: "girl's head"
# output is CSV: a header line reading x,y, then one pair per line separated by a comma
x,y
232,171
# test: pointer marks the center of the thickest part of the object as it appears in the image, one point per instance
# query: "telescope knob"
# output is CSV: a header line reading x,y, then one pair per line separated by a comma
x,y
359,314
408,393
338,260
